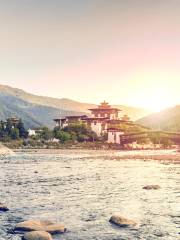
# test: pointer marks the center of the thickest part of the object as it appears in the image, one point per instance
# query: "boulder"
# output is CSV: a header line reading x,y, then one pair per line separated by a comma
x,y
55,228
37,235
151,187
32,225
46,226
3,208
121,221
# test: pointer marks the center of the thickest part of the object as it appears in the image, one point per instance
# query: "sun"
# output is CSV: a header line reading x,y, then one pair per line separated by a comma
x,y
154,91
156,104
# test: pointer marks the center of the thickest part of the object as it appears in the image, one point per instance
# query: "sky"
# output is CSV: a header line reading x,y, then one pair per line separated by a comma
x,y
123,51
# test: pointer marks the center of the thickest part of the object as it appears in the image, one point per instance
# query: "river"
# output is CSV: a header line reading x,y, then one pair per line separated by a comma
x,y
82,189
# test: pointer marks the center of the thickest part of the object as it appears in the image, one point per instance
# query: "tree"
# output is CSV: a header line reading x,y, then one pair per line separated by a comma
x,y
9,127
63,136
2,130
22,131
14,133
81,132
80,128
46,134
82,138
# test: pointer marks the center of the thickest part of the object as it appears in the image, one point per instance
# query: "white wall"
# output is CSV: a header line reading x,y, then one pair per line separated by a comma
x,y
96,127
114,137
31,132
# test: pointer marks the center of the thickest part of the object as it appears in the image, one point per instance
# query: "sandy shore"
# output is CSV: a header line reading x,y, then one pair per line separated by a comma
x,y
5,151
161,155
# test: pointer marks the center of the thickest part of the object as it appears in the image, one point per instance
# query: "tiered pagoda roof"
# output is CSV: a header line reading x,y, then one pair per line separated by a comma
x,y
104,106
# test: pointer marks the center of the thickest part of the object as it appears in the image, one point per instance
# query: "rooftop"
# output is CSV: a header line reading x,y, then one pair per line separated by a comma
x,y
104,106
97,118
71,117
115,130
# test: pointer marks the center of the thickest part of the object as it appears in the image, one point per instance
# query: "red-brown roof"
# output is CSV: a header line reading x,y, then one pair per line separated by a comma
x,y
104,109
59,119
115,130
96,118
76,116
104,106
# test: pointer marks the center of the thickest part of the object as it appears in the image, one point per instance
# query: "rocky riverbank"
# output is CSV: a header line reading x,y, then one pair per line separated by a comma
x,y
85,189
165,158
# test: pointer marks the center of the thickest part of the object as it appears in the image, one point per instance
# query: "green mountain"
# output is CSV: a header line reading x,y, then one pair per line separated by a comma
x,y
167,120
40,110
33,115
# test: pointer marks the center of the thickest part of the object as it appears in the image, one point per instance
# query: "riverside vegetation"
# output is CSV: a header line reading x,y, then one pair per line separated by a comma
x,y
17,136
75,135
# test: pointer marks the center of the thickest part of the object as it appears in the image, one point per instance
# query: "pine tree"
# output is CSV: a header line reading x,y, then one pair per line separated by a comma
x,y
8,128
22,131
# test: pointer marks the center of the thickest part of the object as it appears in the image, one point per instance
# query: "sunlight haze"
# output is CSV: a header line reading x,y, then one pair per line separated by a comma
x,y
126,52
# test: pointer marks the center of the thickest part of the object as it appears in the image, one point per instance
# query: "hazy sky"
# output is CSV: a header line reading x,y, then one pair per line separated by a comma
x,y
124,51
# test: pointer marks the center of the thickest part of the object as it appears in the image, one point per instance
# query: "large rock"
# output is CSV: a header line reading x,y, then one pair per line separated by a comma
x,y
46,226
121,221
151,187
55,228
32,225
37,235
3,208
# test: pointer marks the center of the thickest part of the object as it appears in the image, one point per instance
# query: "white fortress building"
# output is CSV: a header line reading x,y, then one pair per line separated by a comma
x,y
103,120
102,117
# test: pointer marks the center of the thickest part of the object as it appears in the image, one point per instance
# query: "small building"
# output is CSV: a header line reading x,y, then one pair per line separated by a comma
x,y
31,132
13,121
75,119
34,132
64,122
60,122
125,118
114,135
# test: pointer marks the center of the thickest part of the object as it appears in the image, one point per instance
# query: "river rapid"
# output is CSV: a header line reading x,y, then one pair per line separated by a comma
x,y
82,189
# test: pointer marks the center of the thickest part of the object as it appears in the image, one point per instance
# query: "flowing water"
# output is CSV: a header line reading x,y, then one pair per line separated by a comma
x,y
82,189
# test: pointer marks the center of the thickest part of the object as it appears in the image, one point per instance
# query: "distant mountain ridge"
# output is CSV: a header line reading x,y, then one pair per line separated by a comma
x,y
63,103
40,110
167,120
33,115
